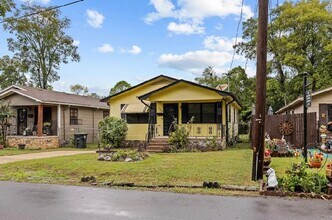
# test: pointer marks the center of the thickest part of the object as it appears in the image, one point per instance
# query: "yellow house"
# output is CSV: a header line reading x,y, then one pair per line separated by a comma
x,y
152,107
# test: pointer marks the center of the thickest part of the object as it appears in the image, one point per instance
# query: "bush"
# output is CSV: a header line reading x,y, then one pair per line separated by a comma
x,y
113,131
299,179
178,139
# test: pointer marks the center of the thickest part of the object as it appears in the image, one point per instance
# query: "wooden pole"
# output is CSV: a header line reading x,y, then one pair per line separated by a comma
x,y
305,110
259,123
40,119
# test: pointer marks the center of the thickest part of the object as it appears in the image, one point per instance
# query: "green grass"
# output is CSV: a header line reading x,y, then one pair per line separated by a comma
x,y
181,168
229,167
15,151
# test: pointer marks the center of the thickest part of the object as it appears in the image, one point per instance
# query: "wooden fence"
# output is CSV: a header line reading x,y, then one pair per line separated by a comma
x,y
273,122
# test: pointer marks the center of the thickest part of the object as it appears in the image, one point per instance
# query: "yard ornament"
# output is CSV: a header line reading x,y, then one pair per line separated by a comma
x,y
271,178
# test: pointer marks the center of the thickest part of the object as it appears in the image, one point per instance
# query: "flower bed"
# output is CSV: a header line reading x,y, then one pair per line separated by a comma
x,y
123,155
279,148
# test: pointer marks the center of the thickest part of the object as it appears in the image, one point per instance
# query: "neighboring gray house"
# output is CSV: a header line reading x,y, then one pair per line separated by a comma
x,y
47,119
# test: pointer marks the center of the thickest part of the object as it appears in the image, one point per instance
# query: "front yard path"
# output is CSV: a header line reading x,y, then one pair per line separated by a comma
x,y
42,155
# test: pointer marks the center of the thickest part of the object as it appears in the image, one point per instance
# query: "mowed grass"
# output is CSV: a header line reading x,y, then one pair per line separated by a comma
x,y
227,167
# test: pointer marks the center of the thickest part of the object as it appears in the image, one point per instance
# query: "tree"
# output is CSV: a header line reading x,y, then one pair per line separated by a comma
x,y
299,41
41,42
209,78
239,83
119,86
5,115
6,6
94,95
11,72
79,89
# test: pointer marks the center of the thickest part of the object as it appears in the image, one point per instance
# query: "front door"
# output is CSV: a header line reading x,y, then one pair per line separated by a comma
x,y
170,113
21,120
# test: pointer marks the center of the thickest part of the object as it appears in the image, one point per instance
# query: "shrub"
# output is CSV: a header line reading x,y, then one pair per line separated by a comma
x,y
299,179
212,143
178,139
113,131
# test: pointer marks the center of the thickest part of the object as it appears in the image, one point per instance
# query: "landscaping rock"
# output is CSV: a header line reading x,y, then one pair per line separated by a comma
x,y
107,158
128,159
101,157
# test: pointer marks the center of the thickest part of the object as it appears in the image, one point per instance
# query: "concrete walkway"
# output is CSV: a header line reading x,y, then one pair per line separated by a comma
x,y
32,156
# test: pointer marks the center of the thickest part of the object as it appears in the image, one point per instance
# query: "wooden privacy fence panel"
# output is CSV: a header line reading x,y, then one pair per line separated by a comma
x,y
273,122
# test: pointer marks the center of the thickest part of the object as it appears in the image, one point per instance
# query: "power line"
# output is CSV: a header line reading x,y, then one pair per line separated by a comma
x,y
237,34
38,12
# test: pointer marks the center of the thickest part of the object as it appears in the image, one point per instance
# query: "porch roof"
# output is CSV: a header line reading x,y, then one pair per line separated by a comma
x,y
53,97
219,92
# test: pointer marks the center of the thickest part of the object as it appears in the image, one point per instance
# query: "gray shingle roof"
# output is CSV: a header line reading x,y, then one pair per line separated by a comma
x,y
48,96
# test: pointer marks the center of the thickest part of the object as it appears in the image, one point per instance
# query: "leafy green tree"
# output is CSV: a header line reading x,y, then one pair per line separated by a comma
x,y
119,86
6,6
79,89
11,72
94,95
299,41
41,42
209,78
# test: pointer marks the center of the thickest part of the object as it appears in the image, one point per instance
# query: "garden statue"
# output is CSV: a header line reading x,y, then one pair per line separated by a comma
x,y
271,179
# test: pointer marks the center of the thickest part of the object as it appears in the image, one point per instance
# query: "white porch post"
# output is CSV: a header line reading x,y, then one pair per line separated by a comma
x,y
59,120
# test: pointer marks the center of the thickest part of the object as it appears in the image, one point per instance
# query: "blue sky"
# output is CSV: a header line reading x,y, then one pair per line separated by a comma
x,y
135,40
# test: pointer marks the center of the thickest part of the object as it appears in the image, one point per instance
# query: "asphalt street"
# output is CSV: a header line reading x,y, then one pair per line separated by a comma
x,y
42,201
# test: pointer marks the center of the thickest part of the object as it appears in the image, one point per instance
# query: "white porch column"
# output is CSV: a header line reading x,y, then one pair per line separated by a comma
x,y
59,120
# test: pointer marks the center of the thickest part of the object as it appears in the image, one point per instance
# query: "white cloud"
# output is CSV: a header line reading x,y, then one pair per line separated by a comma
x,y
76,42
196,10
196,61
220,43
185,28
135,50
95,19
106,48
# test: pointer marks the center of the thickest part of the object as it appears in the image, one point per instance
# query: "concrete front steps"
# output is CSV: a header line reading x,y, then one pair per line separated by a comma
x,y
156,145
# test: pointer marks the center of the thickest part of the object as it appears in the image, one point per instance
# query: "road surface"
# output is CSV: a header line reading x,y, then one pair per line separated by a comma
x,y
38,201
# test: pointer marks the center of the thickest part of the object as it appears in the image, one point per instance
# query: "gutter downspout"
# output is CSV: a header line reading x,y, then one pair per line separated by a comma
x,y
227,104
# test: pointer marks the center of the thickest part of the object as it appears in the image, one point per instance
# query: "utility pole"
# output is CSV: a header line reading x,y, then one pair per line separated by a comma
x,y
306,104
259,123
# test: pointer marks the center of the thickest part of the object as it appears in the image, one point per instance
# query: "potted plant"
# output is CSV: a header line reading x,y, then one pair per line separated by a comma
x,y
46,127
315,160
267,157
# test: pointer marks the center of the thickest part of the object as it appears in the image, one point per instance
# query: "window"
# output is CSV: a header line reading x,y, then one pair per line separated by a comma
x,y
202,112
106,114
137,118
329,112
73,116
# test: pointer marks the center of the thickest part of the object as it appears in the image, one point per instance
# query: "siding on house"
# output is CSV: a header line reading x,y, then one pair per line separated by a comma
x,y
135,131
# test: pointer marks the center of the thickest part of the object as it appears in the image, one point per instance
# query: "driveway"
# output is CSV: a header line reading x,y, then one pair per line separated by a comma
x,y
21,157
38,201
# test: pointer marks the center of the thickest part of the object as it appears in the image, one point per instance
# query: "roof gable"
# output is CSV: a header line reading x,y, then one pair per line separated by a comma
x,y
53,97
150,81
213,91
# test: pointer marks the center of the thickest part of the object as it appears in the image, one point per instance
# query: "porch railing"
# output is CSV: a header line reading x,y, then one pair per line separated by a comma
x,y
195,130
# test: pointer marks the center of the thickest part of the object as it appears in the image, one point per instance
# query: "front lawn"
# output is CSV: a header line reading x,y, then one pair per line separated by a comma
x,y
227,167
